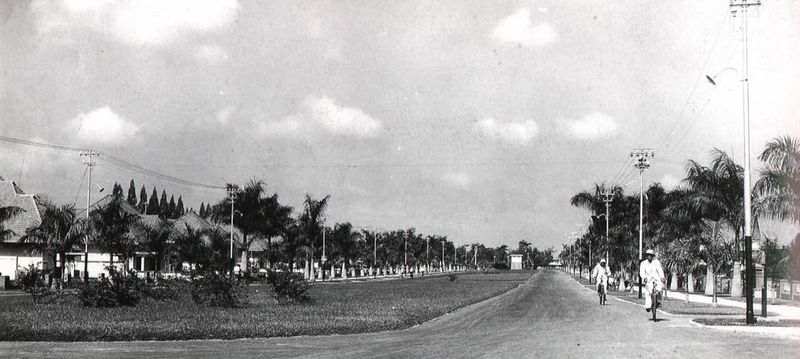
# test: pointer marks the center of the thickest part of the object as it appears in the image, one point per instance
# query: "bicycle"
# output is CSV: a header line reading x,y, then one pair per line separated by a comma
x,y
601,289
654,304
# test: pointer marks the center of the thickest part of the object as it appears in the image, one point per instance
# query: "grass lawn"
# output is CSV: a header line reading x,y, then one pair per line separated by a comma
x,y
741,321
336,309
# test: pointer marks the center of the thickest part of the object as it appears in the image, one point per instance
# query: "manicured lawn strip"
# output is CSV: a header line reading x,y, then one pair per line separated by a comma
x,y
675,305
679,306
741,322
336,309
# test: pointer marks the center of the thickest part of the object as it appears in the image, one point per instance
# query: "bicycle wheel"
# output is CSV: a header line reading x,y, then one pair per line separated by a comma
x,y
654,306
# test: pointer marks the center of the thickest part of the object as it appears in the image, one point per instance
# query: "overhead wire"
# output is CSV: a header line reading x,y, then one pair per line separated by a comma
x,y
80,185
697,82
113,160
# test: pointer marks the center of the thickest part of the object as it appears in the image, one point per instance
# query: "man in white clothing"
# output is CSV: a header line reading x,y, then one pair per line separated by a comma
x,y
600,275
652,274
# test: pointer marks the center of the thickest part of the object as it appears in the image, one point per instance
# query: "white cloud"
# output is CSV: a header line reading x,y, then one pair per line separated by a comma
x,y
102,125
322,113
518,133
460,180
593,126
342,120
139,22
518,30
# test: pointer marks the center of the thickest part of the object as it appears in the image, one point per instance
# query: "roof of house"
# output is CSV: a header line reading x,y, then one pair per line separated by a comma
x,y
12,196
105,201
193,221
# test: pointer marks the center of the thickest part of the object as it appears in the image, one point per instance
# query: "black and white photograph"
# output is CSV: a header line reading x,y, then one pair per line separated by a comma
x,y
399,179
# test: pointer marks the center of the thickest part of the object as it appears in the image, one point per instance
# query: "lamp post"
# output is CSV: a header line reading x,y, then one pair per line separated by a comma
x,y
736,6
232,189
323,258
641,164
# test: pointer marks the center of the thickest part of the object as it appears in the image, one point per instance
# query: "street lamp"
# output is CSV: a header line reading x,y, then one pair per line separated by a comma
x,y
735,6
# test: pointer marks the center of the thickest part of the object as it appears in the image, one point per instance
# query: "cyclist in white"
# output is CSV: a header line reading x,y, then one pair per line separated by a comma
x,y
600,275
652,273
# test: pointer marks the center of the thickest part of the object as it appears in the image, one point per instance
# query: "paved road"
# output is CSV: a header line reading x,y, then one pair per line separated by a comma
x,y
549,316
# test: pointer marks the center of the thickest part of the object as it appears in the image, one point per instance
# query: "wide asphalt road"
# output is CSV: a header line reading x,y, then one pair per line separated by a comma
x,y
550,315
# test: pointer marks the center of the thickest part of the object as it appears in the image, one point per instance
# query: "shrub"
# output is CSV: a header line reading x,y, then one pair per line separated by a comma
x,y
500,266
289,285
119,290
32,280
452,277
216,290
169,289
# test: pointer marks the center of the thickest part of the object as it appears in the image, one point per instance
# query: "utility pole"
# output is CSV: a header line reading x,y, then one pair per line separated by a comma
x,y
375,252
736,6
608,196
323,259
232,190
89,162
643,156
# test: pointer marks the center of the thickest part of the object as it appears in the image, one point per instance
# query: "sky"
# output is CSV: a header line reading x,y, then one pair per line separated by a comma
x,y
471,119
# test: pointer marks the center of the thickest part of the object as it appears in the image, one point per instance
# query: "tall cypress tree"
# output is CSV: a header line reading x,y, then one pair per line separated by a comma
x,y
172,208
163,205
152,204
180,210
132,194
116,190
202,212
143,200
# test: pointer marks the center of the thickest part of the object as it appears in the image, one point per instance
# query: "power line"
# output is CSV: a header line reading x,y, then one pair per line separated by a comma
x,y
122,164
41,144
694,87
115,161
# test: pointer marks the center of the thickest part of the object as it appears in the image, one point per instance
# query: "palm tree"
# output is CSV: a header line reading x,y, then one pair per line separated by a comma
x,y
345,242
203,250
157,237
778,187
717,195
56,235
256,215
111,231
279,219
718,192
311,223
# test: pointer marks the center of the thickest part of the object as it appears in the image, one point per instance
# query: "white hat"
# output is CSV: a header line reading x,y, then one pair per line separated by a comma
x,y
602,260
649,252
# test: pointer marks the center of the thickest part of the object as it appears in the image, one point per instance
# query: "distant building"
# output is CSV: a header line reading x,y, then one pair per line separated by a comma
x,y
16,256
516,261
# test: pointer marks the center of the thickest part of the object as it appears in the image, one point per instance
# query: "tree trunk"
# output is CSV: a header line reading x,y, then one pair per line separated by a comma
x,y
269,253
709,290
245,248
63,260
714,288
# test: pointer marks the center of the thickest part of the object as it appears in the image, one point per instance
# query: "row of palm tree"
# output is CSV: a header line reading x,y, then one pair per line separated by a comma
x,y
114,229
700,222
